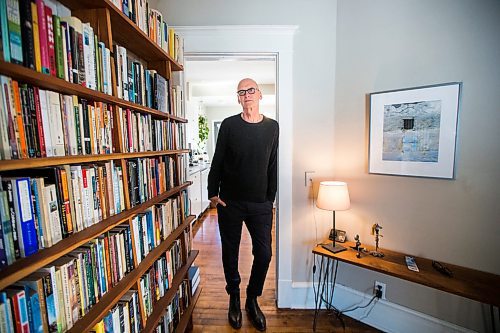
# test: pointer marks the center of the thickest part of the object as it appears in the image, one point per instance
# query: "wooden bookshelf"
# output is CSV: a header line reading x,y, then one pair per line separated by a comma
x,y
97,312
110,26
45,81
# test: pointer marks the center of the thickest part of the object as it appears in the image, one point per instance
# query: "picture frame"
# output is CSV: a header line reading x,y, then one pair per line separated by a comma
x,y
413,131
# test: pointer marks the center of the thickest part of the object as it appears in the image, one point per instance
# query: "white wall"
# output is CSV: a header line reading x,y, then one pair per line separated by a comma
x,y
377,46
386,45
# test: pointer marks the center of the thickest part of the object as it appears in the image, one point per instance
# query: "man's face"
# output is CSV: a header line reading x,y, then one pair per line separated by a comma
x,y
245,96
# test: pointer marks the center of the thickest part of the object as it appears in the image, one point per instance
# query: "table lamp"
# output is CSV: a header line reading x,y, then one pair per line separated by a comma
x,y
333,196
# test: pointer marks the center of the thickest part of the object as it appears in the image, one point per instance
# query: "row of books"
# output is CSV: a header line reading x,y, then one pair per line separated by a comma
x,y
194,278
141,132
137,84
43,123
57,296
148,177
61,46
151,22
157,280
40,207
154,226
123,318
181,301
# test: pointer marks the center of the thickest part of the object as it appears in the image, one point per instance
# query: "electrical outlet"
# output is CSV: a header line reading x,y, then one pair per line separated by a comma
x,y
381,288
308,178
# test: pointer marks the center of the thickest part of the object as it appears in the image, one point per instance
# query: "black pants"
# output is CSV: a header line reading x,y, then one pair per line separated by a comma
x,y
258,218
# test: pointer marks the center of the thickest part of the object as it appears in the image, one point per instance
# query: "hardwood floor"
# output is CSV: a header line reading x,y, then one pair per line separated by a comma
x,y
210,313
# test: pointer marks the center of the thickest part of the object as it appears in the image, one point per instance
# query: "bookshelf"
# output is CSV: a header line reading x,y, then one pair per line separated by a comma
x,y
112,27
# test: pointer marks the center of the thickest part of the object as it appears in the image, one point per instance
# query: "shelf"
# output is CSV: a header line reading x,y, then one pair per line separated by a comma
x,y
29,163
25,266
161,306
44,81
111,297
126,33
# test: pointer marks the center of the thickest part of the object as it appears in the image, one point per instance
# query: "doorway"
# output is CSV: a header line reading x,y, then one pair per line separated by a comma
x,y
210,82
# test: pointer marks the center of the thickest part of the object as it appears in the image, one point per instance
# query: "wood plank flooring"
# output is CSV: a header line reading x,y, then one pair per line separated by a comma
x,y
210,314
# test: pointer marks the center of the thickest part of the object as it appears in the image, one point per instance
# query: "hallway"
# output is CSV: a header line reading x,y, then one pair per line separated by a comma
x,y
210,314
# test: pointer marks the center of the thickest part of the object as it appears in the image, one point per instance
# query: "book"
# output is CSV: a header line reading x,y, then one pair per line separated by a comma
x,y
25,223
58,46
14,26
42,28
18,112
50,41
26,21
53,211
56,125
4,31
35,282
8,102
36,36
20,310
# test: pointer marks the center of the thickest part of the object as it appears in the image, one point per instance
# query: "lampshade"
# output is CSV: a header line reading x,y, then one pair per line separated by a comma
x,y
333,196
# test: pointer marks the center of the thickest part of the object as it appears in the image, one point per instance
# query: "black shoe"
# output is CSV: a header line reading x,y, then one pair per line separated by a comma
x,y
234,313
255,314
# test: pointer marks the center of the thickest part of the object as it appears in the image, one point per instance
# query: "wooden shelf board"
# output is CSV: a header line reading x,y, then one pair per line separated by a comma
x,y
29,163
161,306
49,82
25,266
126,32
100,309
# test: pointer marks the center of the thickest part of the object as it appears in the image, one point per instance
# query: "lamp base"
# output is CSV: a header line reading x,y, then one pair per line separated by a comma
x,y
334,249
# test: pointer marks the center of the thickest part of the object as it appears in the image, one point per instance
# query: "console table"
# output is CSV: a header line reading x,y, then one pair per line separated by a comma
x,y
473,284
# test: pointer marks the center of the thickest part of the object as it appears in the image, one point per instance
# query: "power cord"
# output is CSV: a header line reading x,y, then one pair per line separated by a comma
x,y
326,282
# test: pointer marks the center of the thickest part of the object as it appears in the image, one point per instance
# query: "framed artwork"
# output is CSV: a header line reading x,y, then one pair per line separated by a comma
x,y
413,131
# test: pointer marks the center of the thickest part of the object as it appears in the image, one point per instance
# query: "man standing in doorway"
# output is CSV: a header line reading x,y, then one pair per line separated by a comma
x,y
242,184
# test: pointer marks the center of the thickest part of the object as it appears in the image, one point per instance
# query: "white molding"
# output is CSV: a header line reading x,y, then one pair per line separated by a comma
x,y
238,29
383,315
259,39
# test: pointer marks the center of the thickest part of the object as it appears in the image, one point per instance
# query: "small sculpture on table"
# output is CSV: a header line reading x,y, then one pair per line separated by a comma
x,y
376,231
358,247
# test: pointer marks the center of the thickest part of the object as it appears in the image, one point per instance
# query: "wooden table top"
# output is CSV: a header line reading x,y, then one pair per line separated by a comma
x,y
473,284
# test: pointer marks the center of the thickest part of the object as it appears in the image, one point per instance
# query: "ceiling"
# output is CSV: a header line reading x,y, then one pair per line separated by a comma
x,y
214,80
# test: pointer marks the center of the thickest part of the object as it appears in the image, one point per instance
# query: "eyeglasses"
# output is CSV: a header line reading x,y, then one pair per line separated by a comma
x,y
251,91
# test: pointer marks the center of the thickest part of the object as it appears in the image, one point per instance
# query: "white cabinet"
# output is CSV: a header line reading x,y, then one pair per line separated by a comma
x,y
195,193
198,194
205,202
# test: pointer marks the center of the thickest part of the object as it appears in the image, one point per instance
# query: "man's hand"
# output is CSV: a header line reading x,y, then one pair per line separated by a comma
x,y
216,200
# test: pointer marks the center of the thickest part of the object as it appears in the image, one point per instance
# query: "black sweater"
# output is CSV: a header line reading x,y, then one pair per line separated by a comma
x,y
244,166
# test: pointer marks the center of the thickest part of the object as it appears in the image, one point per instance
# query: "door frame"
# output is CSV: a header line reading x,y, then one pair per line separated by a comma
x,y
277,40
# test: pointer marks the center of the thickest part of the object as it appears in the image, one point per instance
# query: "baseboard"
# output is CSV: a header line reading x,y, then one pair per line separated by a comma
x,y
384,315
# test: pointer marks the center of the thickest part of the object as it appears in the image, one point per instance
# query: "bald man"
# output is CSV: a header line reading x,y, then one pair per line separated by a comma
x,y
242,184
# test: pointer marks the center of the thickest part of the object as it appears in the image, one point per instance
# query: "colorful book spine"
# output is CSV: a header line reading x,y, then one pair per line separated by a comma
x,y
58,44
20,133
36,37
14,26
50,41
24,214
4,30
27,34
42,29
